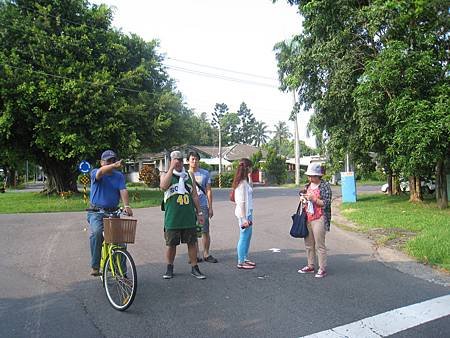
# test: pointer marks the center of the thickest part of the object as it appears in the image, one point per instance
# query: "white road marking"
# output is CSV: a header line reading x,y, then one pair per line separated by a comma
x,y
275,249
393,321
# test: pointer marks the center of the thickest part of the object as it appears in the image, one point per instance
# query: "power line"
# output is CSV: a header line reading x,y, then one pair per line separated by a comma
x,y
222,69
176,68
169,58
220,77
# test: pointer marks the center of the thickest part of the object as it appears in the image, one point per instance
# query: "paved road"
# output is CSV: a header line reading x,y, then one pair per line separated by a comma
x,y
46,291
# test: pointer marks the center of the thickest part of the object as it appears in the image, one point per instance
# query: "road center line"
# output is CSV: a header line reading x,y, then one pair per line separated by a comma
x,y
388,323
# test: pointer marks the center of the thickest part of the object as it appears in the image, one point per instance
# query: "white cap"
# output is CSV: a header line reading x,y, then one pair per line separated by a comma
x,y
176,155
314,169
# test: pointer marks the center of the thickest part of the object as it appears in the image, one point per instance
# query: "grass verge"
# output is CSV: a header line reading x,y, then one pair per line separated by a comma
x,y
24,202
370,182
420,229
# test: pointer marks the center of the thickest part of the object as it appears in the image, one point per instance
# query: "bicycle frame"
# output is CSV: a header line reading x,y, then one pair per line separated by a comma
x,y
107,250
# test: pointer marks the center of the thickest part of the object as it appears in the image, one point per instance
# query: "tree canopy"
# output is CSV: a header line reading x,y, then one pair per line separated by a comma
x,y
375,74
72,86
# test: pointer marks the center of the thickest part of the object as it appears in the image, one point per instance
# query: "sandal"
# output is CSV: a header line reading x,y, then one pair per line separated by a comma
x,y
245,266
210,259
249,262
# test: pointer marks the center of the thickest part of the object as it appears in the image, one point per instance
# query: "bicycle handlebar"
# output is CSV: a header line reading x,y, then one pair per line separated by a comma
x,y
119,212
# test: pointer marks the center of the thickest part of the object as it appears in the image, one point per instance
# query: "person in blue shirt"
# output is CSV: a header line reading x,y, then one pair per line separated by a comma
x,y
107,189
203,185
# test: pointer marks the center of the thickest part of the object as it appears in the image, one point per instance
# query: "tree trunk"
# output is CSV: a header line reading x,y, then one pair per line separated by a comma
x,y
441,186
395,185
390,183
415,193
61,177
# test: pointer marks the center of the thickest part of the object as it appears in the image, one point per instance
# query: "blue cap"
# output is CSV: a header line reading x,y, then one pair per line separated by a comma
x,y
108,154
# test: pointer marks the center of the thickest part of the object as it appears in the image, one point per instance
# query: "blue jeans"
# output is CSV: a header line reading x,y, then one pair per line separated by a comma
x,y
244,241
95,220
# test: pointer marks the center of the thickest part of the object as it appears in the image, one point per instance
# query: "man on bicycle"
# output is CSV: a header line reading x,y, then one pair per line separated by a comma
x,y
107,189
180,197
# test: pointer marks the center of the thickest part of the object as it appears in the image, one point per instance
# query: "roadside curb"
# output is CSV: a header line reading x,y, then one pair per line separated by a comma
x,y
388,256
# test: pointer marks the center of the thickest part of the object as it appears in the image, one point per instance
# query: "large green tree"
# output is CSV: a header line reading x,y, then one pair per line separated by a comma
x,y
230,128
407,87
72,86
376,75
247,127
220,109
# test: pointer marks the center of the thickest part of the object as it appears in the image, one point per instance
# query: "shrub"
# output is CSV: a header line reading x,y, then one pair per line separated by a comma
x,y
205,166
374,176
256,157
150,176
227,179
276,167
136,185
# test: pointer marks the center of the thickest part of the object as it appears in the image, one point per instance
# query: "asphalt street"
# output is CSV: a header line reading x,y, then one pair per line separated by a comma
x,y
46,289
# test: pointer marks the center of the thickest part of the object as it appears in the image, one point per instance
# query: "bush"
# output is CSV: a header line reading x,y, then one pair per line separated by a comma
x,y
227,180
205,166
275,167
136,185
256,157
150,176
374,176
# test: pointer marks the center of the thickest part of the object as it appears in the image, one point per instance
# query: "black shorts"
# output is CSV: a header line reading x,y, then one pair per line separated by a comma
x,y
175,237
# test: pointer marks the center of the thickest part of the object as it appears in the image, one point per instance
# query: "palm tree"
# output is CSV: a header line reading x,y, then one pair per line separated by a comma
x,y
281,132
260,133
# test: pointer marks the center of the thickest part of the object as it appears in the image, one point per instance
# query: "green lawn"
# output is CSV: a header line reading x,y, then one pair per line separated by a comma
x,y
20,202
370,182
421,229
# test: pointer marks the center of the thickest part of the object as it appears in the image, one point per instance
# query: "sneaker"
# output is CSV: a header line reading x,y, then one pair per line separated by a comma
x,y
196,273
320,274
306,269
169,272
95,272
210,259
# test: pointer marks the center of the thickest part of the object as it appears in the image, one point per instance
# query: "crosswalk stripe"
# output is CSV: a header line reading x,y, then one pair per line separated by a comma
x,y
388,323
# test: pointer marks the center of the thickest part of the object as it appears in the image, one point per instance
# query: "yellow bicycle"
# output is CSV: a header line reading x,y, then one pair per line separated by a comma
x,y
119,275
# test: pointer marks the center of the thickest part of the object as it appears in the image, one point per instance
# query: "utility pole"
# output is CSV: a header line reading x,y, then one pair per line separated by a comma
x,y
296,144
220,157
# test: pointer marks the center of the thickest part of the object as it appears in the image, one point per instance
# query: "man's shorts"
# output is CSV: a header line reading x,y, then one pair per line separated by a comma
x,y
175,237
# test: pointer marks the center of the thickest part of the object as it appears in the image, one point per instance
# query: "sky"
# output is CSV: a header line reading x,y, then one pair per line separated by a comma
x,y
219,51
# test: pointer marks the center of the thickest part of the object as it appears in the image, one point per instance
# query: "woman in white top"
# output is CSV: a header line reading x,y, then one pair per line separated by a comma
x,y
243,196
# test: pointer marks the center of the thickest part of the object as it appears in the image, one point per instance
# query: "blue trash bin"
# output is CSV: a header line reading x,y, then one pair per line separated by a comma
x,y
348,187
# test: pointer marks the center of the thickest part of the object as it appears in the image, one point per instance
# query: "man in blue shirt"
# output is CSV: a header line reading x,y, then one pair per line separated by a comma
x,y
202,181
107,189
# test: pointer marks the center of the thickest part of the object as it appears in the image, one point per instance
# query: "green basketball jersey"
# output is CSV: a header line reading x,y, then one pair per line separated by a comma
x,y
180,211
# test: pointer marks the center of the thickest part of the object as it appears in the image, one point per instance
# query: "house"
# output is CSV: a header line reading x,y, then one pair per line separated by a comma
x,y
304,161
208,154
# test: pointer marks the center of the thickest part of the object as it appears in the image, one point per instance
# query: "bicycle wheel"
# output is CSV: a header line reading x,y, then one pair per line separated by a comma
x,y
120,279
